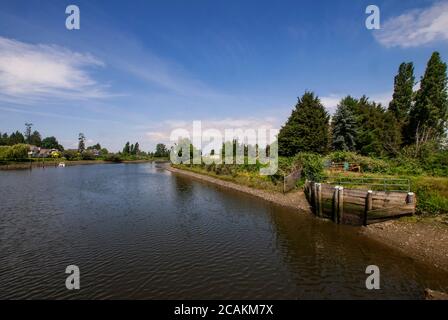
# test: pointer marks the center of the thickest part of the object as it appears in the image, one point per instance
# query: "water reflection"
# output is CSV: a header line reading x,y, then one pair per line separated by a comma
x,y
139,232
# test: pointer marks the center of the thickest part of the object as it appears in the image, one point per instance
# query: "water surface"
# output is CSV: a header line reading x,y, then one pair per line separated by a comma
x,y
137,231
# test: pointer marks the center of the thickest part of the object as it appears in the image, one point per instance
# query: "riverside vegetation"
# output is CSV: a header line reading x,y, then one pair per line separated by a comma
x,y
408,140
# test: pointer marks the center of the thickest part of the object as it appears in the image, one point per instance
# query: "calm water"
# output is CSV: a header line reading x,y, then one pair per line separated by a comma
x,y
137,231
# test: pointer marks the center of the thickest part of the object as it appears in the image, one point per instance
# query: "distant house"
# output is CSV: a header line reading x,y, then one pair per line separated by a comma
x,y
96,152
38,152
34,151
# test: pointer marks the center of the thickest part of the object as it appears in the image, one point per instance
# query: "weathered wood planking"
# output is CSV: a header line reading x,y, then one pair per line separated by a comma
x,y
365,204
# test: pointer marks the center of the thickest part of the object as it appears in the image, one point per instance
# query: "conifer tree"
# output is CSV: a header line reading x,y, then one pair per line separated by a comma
x,y
306,129
344,128
429,115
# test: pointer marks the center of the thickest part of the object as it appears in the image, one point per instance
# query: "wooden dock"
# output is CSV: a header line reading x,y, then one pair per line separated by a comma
x,y
358,206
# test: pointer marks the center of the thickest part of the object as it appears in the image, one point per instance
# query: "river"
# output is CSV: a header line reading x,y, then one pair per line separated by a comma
x,y
137,231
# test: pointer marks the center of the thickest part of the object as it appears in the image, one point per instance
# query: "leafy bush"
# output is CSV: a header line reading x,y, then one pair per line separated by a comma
x,y
16,152
312,165
367,164
112,158
71,155
87,155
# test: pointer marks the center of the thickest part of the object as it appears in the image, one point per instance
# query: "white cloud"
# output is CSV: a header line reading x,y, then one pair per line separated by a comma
x,y
32,72
331,101
416,27
161,133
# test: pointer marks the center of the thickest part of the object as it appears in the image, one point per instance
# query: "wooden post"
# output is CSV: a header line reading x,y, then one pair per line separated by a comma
x,y
410,200
319,198
335,204
315,204
368,206
340,204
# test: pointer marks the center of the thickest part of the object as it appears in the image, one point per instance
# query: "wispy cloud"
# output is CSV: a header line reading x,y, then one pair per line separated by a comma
x,y
36,72
416,27
331,101
162,131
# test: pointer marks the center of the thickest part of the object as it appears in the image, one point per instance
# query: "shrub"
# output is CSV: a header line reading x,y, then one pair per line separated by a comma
x,y
71,155
113,158
312,165
87,155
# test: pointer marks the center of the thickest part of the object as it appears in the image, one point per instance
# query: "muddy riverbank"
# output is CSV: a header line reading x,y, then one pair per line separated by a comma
x,y
422,241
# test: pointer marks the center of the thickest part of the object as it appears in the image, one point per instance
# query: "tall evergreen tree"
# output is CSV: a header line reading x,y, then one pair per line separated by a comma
x,y
35,139
344,127
369,117
28,127
429,115
403,92
126,149
16,138
306,129
81,143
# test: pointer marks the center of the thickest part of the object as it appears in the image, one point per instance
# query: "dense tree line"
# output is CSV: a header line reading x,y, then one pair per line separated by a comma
x,y
412,120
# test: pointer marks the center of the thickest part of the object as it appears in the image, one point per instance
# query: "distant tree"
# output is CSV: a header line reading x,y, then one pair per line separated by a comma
x,y
51,143
429,115
126,149
16,138
136,148
161,151
28,127
4,139
81,143
104,151
306,129
94,147
35,139
132,149
344,127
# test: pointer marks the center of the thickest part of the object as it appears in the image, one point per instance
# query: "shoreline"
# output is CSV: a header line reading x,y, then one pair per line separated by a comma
x,y
294,200
53,164
421,241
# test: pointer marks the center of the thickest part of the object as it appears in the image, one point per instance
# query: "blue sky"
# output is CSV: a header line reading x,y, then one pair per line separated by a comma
x,y
138,69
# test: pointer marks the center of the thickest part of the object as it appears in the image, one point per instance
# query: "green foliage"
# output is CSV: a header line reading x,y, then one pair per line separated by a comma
x,y
16,138
344,127
35,139
311,164
51,143
432,195
429,115
87,155
81,142
113,158
403,92
367,164
161,151
306,129
370,119
16,152
71,155
127,148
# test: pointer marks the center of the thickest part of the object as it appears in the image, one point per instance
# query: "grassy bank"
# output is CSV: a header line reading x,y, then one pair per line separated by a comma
x,y
240,176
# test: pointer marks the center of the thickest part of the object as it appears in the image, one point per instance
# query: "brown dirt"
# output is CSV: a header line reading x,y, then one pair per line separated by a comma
x,y
295,200
425,241
422,240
